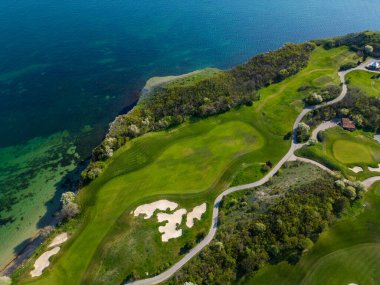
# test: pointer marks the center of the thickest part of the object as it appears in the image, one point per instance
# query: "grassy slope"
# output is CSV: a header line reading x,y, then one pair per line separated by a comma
x,y
341,150
363,80
347,253
159,165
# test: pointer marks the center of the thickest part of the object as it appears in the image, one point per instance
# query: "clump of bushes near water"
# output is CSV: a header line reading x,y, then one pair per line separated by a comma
x,y
171,105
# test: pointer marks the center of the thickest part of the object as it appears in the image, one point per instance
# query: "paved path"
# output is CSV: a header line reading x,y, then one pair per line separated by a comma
x,y
290,155
324,126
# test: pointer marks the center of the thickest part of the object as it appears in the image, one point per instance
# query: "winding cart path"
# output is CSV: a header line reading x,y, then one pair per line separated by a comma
x,y
289,156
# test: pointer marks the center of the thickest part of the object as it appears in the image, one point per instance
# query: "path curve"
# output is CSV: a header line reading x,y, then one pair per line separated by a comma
x,y
288,156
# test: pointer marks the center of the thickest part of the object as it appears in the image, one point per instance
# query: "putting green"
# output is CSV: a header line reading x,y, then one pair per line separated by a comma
x,y
341,150
349,152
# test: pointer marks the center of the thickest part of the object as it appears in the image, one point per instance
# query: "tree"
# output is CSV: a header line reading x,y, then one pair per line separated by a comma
x,y
303,132
260,227
340,184
69,211
133,130
358,120
368,49
350,192
68,197
303,128
265,168
46,231
312,141
314,99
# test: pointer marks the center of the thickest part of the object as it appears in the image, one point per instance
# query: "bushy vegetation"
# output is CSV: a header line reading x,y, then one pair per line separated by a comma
x,y
315,96
364,110
277,222
69,206
303,132
348,65
365,43
347,253
171,104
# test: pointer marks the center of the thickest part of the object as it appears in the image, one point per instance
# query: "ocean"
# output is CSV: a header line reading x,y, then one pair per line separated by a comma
x,y
67,68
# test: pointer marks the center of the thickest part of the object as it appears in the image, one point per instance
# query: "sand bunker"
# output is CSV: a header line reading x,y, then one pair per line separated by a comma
x,y
356,169
374,169
352,284
61,238
43,261
170,229
196,213
148,209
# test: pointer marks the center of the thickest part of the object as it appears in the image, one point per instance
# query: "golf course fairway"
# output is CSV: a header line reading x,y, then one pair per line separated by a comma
x,y
190,165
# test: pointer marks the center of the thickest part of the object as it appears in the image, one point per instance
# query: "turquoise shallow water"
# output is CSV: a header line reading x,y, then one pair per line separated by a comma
x,y
68,67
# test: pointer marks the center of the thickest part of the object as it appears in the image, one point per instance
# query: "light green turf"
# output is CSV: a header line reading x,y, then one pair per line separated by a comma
x,y
189,164
366,81
349,152
341,150
349,252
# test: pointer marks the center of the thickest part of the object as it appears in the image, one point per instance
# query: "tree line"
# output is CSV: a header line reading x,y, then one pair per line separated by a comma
x,y
171,105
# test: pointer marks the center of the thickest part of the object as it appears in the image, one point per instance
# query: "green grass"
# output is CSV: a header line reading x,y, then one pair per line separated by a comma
x,y
351,152
366,81
341,150
189,165
349,252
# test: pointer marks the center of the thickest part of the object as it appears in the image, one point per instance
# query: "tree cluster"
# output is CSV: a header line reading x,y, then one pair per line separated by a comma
x,y
364,43
253,234
315,96
170,105
362,109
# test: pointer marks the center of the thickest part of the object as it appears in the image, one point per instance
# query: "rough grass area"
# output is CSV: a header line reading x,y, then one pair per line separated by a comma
x,y
341,150
348,253
190,165
369,82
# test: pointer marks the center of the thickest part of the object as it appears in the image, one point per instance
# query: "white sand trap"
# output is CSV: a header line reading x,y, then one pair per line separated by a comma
x,y
196,213
352,284
374,169
43,261
148,209
170,229
59,239
356,169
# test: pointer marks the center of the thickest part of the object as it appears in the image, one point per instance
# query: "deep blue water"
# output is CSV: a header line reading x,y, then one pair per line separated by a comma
x,y
70,66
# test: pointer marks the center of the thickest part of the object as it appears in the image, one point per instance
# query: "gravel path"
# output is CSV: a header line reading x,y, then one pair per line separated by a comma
x,y
289,156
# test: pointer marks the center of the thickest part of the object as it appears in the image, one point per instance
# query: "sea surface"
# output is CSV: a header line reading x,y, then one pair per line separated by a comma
x,y
67,68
